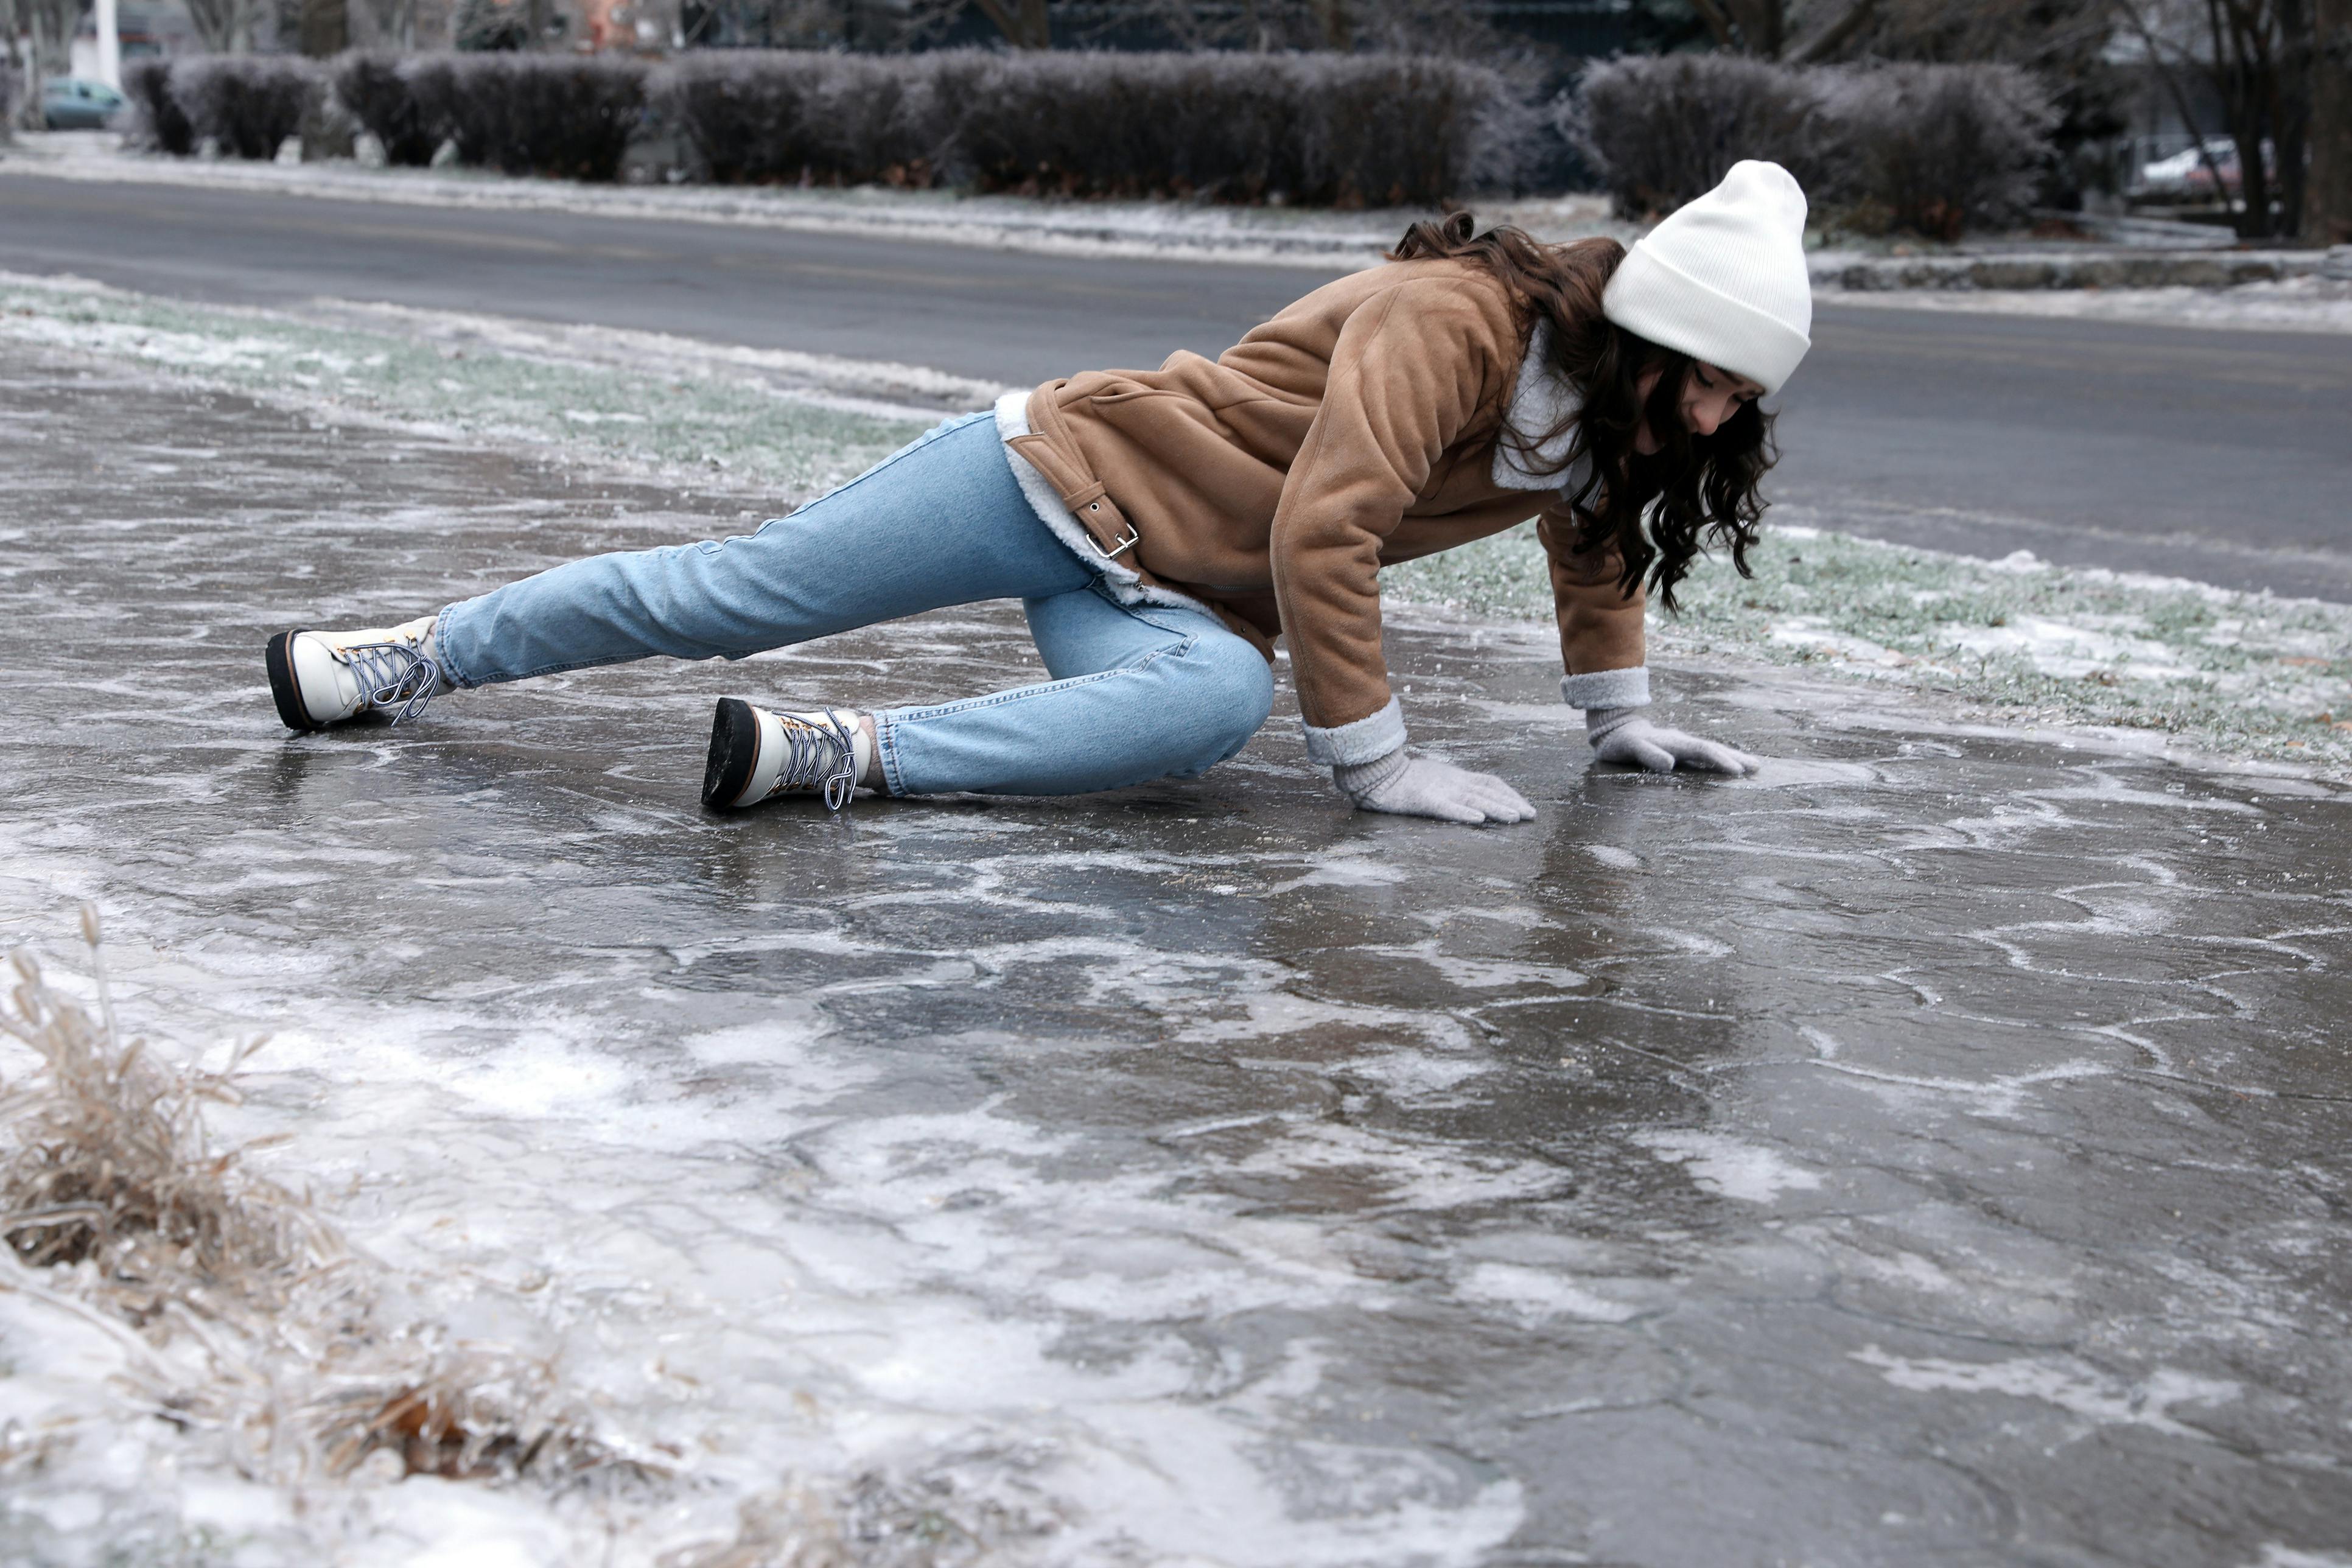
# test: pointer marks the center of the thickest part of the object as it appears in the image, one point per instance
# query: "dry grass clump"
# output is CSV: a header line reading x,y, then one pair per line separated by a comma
x,y
112,1198
107,1162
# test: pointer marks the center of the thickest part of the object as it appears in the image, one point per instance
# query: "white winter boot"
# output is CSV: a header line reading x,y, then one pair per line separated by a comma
x,y
324,677
756,755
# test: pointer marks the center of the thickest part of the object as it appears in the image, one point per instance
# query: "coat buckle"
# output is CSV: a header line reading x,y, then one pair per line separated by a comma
x,y
1134,537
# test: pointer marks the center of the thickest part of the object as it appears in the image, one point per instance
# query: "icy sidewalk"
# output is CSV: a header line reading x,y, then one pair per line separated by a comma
x,y
2160,662
1928,1152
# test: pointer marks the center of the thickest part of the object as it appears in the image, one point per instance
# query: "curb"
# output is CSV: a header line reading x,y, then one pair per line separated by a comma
x,y
2105,269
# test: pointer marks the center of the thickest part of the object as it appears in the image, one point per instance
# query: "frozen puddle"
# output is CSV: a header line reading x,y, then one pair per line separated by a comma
x,y
1919,1154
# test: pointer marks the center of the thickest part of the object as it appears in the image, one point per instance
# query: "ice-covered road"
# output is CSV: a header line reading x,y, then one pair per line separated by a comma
x,y
1931,1151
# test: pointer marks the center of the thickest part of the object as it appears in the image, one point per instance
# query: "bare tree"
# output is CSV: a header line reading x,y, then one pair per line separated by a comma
x,y
1767,29
2327,200
2259,57
1023,23
47,28
226,26
1453,28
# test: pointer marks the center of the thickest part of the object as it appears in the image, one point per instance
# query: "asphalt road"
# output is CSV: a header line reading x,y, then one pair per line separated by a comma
x,y
2221,456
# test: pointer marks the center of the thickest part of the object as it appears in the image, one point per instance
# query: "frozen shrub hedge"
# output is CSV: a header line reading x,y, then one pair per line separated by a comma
x,y
158,125
1344,130
1322,129
246,104
770,116
531,114
519,113
372,87
1664,129
1947,147
249,104
1935,148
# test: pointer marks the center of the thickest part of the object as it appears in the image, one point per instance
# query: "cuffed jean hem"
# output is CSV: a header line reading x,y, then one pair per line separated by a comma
x,y
449,670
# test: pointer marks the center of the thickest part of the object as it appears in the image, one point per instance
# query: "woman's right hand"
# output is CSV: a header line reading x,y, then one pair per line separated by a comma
x,y
1406,785
1623,735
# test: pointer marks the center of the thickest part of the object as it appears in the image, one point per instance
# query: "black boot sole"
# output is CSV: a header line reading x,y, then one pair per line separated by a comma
x,y
284,688
734,753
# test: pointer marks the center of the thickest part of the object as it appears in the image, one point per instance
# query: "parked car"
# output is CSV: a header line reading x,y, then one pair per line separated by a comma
x,y
78,103
2185,174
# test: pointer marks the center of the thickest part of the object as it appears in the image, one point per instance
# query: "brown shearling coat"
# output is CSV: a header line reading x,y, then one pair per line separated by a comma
x,y
1356,428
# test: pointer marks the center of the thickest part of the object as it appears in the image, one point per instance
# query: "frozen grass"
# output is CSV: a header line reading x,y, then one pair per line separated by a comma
x,y
684,422
2239,675
254,1322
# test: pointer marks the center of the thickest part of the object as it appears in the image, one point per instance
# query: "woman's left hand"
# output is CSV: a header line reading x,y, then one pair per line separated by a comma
x,y
1622,735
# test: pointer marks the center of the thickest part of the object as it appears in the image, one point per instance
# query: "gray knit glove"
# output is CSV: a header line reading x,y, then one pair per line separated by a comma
x,y
1623,735
1423,787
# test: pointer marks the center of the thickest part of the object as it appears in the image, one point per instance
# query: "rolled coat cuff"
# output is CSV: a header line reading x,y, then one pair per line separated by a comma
x,y
1365,740
1607,689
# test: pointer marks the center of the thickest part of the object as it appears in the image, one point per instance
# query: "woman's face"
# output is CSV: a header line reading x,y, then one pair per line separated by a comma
x,y
1709,398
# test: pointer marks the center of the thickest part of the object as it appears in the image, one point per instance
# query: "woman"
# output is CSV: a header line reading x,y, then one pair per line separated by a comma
x,y
1163,527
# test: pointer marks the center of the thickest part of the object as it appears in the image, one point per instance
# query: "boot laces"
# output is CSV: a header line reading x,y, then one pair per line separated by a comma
x,y
814,752
394,672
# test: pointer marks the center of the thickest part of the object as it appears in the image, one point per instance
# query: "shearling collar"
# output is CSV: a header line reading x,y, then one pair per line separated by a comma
x,y
1539,400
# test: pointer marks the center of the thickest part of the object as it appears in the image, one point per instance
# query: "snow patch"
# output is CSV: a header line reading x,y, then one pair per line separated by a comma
x,y
1728,1167
2069,1384
1539,1293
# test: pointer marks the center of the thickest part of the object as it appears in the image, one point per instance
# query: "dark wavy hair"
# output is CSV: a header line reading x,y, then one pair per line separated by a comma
x,y
1658,511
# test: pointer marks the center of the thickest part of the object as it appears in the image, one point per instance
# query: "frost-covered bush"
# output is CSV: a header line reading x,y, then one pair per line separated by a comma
x,y
1320,129
1944,147
157,123
246,103
531,115
1933,148
1666,128
1344,129
765,117
1341,129
519,113
372,87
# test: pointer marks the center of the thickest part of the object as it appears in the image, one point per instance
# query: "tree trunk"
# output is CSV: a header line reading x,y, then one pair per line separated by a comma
x,y
2327,198
1338,29
2291,114
1763,26
1027,28
326,28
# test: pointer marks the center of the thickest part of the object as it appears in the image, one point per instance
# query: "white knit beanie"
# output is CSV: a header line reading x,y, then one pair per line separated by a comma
x,y
1724,279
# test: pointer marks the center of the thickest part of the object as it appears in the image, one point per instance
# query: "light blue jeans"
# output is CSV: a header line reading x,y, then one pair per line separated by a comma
x,y
1138,691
